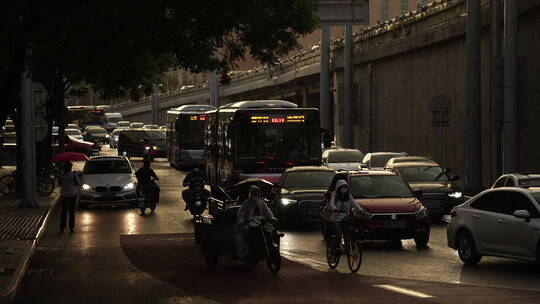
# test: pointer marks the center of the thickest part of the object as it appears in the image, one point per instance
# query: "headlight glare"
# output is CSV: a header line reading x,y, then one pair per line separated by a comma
x,y
129,186
456,194
86,187
286,201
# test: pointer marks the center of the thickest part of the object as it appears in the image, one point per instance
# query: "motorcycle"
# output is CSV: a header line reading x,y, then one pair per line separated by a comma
x,y
264,243
196,200
147,199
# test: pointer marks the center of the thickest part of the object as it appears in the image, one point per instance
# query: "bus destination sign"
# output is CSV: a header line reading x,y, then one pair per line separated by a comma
x,y
197,117
278,119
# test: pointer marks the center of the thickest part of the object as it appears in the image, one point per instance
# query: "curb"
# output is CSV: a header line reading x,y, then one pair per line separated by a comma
x,y
7,295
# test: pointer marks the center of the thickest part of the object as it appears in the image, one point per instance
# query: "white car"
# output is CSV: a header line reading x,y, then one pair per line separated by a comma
x,y
523,180
108,180
377,160
76,133
502,222
343,159
150,127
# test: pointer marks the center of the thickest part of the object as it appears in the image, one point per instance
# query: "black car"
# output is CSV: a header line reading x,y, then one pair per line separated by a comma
x,y
439,190
301,194
96,134
134,142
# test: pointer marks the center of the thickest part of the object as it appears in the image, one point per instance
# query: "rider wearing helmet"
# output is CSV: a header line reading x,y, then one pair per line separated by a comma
x,y
146,178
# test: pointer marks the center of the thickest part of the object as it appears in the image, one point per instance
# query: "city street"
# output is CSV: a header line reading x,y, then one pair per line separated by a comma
x,y
117,255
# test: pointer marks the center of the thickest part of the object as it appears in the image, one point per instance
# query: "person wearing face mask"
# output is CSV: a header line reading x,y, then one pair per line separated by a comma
x,y
250,214
341,203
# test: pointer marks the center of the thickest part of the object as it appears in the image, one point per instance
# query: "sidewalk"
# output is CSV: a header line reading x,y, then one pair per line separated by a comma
x,y
20,231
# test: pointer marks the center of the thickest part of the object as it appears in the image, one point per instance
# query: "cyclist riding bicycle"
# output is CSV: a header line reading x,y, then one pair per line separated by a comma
x,y
341,203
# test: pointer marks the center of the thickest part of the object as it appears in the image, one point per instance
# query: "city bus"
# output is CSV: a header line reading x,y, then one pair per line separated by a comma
x,y
185,138
85,116
259,139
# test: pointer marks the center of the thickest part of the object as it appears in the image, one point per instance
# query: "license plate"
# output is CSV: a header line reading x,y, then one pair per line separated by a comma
x,y
394,224
432,204
110,195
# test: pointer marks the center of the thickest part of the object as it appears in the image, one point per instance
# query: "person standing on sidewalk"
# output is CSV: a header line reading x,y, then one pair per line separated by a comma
x,y
69,183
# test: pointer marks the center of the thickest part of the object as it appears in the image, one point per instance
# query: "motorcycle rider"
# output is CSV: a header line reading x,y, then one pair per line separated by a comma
x,y
146,178
195,181
250,214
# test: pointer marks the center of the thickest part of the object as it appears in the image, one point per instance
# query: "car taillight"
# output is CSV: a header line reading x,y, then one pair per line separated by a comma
x,y
453,213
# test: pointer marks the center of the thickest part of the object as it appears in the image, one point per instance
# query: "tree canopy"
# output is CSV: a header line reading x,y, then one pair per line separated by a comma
x,y
115,46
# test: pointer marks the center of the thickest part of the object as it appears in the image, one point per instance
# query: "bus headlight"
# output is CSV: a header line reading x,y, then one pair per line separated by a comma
x,y
286,201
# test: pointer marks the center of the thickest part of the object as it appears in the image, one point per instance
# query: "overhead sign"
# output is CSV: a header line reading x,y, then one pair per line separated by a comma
x,y
341,12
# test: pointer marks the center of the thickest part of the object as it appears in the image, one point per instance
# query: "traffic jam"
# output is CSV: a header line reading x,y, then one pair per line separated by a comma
x,y
257,166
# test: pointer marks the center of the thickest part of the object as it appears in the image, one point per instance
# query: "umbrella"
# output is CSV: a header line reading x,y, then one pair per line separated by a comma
x,y
69,156
241,189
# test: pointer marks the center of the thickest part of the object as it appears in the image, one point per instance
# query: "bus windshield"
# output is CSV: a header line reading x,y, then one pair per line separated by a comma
x,y
190,134
286,142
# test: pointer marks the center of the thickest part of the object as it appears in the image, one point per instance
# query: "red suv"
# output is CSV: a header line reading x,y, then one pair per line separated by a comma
x,y
391,209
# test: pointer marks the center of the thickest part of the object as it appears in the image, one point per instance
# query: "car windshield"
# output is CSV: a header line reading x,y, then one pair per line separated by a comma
x,y
97,131
372,186
536,196
72,132
114,119
345,157
382,159
529,182
422,173
156,135
107,167
308,179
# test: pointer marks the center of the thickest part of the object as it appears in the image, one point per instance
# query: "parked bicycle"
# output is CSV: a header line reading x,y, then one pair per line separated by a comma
x,y
45,181
350,241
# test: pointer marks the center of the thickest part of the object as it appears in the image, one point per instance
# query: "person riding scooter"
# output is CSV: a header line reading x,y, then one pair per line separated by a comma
x,y
146,178
251,214
195,182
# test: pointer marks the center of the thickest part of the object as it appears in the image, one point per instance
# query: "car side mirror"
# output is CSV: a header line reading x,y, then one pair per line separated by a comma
x,y
418,192
523,214
455,178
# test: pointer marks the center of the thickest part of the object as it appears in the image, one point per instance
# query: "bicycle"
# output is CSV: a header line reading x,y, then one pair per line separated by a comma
x,y
44,182
350,239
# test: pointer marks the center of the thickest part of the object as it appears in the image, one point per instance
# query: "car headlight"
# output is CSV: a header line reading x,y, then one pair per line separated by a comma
x,y
421,213
456,194
154,147
107,135
286,201
86,187
129,186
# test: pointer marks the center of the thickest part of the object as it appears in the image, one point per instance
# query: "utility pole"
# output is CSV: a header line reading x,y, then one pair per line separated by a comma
x,y
495,87
510,130
154,106
28,153
324,106
214,89
473,137
347,141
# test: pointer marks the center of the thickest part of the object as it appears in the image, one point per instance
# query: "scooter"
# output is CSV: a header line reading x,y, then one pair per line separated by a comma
x,y
147,200
196,200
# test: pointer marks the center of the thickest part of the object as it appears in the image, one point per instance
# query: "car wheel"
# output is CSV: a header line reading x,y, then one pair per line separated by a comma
x,y
467,248
422,239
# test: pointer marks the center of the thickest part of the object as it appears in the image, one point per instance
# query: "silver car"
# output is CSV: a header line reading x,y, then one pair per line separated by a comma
x,y
524,180
108,180
502,222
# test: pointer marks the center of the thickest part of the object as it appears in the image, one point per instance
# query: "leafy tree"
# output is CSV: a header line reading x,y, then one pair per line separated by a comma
x,y
116,46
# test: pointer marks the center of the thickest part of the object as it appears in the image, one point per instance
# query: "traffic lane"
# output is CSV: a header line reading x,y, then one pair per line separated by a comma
x,y
402,260
89,266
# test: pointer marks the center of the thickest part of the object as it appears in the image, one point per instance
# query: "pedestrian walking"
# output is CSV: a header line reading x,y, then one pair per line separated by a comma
x,y
69,183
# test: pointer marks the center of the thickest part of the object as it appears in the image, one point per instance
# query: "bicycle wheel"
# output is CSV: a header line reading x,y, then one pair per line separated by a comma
x,y
332,252
44,186
354,255
7,185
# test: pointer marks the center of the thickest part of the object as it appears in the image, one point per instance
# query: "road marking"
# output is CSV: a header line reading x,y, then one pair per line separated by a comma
x,y
404,291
